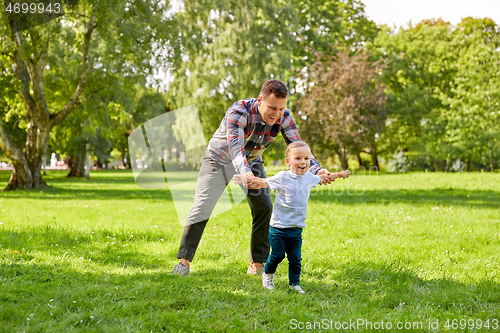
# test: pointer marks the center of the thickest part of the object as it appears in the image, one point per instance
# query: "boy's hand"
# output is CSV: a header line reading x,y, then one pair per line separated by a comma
x,y
239,179
327,179
247,180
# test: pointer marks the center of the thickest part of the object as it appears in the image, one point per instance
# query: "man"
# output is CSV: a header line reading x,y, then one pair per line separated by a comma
x,y
248,128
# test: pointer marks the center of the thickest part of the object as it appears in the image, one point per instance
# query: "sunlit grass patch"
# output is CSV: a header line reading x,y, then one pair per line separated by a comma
x,y
94,255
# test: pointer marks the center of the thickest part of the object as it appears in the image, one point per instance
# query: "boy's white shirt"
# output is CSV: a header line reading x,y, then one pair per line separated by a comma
x,y
292,194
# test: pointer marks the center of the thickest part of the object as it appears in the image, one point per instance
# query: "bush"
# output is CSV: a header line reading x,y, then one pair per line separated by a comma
x,y
397,163
420,163
457,166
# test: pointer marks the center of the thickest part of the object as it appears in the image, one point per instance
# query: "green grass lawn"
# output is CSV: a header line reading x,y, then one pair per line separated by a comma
x,y
94,256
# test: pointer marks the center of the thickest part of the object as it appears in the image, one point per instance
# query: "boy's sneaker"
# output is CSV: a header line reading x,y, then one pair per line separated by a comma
x,y
267,281
181,270
297,289
253,271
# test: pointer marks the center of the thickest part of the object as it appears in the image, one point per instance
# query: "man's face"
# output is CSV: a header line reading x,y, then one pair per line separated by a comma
x,y
271,108
299,160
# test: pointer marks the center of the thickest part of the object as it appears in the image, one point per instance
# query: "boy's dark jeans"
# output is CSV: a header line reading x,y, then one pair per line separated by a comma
x,y
289,241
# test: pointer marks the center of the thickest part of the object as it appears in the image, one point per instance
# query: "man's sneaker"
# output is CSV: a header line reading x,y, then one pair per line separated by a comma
x,y
297,289
180,269
267,281
253,271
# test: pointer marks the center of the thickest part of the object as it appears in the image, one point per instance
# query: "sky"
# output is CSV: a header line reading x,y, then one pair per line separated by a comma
x,y
400,12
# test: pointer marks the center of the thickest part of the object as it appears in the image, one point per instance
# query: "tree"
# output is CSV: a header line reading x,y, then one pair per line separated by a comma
x,y
28,52
128,33
114,106
232,46
148,105
473,120
343,106
442,91
419,67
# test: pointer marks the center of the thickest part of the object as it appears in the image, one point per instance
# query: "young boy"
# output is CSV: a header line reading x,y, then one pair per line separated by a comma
x,y
290,209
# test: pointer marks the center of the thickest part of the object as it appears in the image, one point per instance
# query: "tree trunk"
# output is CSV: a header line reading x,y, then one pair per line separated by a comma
x,y
26,174
374,159
24,178
27,166
18,181
98,164
343,159
360,161
469,165
124,156
44,162
492,166
77,165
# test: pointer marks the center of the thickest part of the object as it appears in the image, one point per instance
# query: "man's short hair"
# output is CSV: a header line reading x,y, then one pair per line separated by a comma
x,y
296,144
276,87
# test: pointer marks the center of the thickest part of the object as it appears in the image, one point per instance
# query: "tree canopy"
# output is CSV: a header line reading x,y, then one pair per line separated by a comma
x,y
49,66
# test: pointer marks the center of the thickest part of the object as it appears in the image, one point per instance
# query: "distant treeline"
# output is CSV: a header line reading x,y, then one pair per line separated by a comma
x,y
421,97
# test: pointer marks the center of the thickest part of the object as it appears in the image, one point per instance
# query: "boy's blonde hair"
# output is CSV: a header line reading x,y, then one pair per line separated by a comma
x,y
296,144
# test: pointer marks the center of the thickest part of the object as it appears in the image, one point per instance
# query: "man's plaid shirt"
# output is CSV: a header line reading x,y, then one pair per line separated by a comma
x,y
242,137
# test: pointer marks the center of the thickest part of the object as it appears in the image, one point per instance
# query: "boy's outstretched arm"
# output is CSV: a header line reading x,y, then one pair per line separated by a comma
x,y
241,179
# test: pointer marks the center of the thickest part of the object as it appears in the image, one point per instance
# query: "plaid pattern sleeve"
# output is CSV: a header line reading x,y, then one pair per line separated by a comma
x,y
237,119
290,134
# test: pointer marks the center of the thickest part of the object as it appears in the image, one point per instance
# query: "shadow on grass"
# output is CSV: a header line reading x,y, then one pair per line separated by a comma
x,y
52,193
386,284
394,285
446,197
226,299
106,177
61,187
104,186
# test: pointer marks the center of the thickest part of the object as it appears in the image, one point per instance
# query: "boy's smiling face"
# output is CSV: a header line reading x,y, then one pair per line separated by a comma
x,y
299,160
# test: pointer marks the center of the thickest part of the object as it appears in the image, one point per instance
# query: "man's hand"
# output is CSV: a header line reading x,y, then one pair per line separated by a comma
x,y
247,180
344,174
327,180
